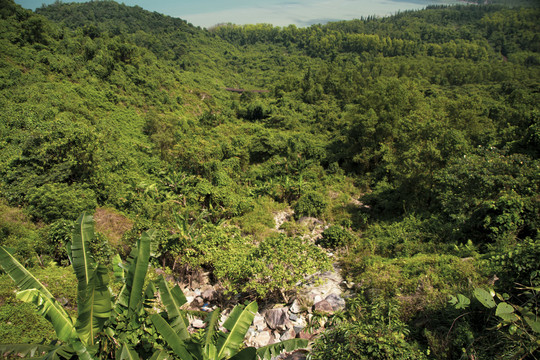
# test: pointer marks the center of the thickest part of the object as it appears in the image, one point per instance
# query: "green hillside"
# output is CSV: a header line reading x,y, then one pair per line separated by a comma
x,y
414,141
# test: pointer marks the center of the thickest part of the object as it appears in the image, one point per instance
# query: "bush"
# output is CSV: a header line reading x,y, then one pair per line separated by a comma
x,y
374,331
310,204
55,201
335,236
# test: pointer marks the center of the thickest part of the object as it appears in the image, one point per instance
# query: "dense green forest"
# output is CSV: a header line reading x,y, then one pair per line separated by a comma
x,y
414,141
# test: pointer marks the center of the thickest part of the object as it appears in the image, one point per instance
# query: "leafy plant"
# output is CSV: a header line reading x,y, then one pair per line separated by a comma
x,y
521,322
95,309
335,236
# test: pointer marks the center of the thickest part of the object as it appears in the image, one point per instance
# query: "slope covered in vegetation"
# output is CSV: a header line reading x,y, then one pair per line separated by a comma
x,y
414,138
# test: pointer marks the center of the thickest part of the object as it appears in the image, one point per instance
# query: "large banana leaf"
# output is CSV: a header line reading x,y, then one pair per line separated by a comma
x,y
22,277
60,353
238,324
160,355
128,353
81,350
211,322
24,350
118,268
83,263
43,352
131,295
59,319
173,300
171,338
96,307
249,353
271,351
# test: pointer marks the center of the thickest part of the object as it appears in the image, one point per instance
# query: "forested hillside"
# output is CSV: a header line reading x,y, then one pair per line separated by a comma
x,y
404,150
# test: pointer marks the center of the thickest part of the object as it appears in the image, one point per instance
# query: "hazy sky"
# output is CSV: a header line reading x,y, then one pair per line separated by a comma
x,y
206,13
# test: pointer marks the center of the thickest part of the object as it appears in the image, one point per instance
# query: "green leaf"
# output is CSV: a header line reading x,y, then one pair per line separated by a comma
x,y
506,312
249,353
209,352
534,324
131,295
118,268
461,302
172,300
83,263
81,350
24,350
22,277
171,338
160,355
238,324
96,306
128,353
484,297
60,353
211,324
60,320
273,350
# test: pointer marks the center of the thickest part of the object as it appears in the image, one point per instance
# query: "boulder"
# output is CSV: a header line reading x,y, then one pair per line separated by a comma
x,y
287,335
262,339
258,322
337,302
295,307
277,319
323,306
197,303
209,294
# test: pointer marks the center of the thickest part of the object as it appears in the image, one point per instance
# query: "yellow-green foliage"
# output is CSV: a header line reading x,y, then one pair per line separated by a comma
x,y
420,282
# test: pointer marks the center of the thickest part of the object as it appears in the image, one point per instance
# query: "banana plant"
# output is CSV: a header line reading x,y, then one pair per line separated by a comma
x,y
96,313
214,344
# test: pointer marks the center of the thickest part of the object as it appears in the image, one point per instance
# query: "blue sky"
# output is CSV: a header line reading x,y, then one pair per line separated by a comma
x,y
206,13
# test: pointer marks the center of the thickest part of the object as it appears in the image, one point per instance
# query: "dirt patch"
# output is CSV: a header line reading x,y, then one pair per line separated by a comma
x,y
112,224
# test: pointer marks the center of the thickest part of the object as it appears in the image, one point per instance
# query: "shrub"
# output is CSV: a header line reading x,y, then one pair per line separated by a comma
x,y
55,201
335,236
310,204
374,331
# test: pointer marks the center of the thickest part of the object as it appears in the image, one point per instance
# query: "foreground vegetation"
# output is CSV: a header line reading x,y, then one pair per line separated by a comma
x,y
414,138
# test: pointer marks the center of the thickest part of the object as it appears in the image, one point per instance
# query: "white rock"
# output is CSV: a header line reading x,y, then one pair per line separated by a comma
x,y
198,324
295,307
259,322
262,339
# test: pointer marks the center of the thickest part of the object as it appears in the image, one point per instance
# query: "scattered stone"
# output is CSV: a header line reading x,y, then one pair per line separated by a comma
x,y
209,294
298,329
305,335
317,298
293,317
197,302
198,324
258,322
287,335
277,319
337,302
297,355
295,307
262,339
323,307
